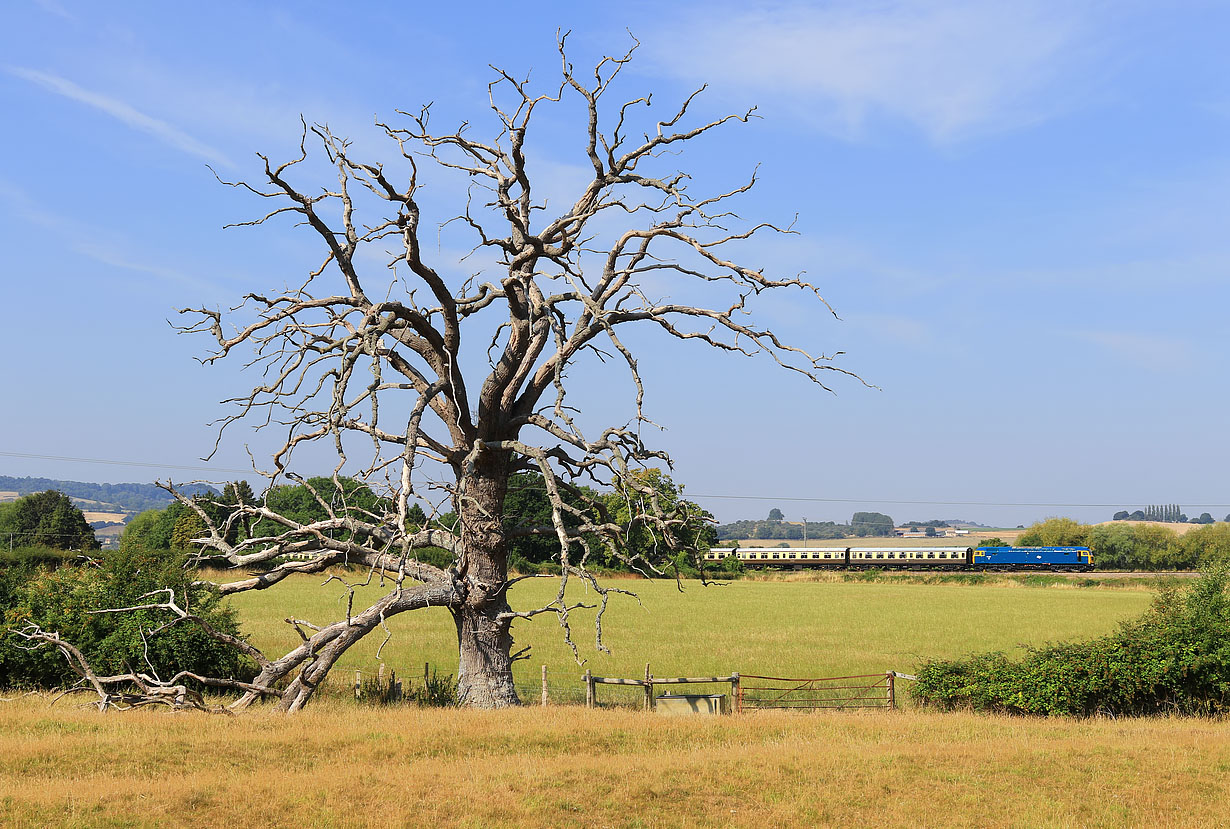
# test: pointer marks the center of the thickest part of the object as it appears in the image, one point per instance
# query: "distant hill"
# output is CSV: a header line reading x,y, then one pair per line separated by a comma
x,y
129,498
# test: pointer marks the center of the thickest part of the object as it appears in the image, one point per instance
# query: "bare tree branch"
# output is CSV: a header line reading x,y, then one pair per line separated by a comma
x,y
375,361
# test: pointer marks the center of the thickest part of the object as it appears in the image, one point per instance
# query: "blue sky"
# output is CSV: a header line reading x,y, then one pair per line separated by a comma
x,y
1018,210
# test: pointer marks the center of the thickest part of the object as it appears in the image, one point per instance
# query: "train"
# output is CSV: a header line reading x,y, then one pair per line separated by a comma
x,y
1054,559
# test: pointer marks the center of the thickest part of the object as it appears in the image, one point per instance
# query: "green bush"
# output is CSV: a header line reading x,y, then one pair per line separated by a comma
x,y
1173,659
61,600
731,566
1054,532
22,557
1208,545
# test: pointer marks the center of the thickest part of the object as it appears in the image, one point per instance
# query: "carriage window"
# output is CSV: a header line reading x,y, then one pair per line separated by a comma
x,y
930,555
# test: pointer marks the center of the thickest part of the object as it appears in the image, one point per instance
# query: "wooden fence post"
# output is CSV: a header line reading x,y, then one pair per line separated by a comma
x,y
892,696
736,693
648,689
544,686
589,689
358,684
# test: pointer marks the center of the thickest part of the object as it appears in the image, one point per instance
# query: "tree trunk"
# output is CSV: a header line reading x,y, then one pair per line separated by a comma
x,y
484,673
484,640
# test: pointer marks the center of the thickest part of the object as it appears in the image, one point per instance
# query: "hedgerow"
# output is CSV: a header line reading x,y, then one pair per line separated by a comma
x,y
1173,659
64,600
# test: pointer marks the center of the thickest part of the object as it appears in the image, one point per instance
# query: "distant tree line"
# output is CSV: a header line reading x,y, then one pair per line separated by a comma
x,y
127,497
1165,513
775,527
527,515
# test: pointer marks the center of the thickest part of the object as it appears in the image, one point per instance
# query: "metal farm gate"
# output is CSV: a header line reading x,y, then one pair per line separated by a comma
x,y
862,691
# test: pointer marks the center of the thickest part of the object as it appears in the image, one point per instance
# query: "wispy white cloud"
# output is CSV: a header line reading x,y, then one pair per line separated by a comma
x,y
953,68
1146,350
89,241
52,7
123,112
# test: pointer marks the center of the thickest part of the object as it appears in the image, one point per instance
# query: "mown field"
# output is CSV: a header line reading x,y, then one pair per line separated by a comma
x,y
339,766
973,539
776,627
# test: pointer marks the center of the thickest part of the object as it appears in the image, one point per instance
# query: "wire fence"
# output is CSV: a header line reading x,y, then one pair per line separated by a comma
x,y
840,692
737,693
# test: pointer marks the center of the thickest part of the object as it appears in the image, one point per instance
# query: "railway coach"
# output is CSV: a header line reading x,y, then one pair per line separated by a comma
x,y
1063,559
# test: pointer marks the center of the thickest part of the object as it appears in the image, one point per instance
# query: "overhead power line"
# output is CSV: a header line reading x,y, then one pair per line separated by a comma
x,y
1117,505
1120,504
141,464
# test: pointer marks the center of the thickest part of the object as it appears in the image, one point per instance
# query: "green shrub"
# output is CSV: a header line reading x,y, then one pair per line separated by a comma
x,y
22,557
1208,545
1173,659
61,600
731,566
1054,532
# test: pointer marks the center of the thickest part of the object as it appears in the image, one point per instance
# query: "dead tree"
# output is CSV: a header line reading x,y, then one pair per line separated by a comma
x,y
374,351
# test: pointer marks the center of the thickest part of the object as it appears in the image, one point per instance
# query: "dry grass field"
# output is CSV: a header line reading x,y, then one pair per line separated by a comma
x,y
338,766
1178,529
973,539
92,516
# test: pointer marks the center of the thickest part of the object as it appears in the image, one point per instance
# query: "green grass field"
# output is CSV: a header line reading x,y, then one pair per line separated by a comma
x,y
775,627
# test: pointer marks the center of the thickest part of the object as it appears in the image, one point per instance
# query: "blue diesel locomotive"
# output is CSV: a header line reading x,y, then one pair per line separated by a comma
x,y
1056,559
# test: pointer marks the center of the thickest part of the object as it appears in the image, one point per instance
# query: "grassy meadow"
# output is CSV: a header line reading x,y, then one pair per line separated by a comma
x,y
777,626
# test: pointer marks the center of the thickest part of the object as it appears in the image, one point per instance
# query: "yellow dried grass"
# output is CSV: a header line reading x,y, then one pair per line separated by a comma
x,y
340,766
